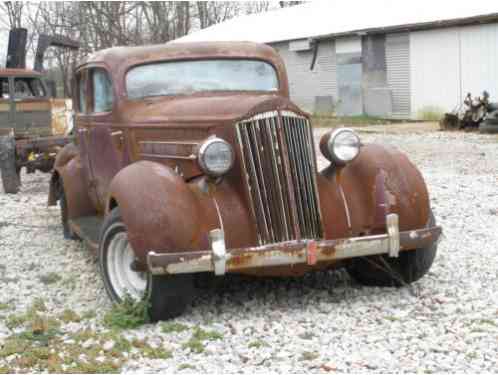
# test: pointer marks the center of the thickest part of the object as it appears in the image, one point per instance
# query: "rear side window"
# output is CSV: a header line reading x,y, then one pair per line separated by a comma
x,y
4,88
102,91
28,88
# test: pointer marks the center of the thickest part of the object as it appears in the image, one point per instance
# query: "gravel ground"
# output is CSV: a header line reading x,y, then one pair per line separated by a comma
x,y
448,321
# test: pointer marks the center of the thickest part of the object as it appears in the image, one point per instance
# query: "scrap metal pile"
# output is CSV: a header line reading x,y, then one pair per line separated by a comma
x,y
474,113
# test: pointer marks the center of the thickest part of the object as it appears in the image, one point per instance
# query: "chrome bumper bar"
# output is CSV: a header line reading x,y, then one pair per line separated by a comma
x,y
221,260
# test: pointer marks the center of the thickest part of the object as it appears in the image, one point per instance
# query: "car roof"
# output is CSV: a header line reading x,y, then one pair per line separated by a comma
x,y
9,72
128,56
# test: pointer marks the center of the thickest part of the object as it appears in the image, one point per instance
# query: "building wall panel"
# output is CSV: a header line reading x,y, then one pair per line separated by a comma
x,y
479,60
434,71
305,84
398,73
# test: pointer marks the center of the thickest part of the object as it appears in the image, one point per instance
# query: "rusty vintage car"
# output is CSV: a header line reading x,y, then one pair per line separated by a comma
x,y
191,158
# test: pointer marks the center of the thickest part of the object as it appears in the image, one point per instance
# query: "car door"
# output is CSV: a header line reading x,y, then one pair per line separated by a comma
x,y
82,124
105,138
32,107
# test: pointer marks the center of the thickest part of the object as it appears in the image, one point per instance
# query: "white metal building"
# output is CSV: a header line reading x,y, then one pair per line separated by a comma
x,y
387,58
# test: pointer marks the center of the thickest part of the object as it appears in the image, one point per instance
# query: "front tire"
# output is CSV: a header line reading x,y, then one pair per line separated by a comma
x,y
168,296
11,178
382,270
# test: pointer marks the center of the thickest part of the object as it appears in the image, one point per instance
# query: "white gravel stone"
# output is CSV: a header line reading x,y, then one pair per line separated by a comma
x,y
447,321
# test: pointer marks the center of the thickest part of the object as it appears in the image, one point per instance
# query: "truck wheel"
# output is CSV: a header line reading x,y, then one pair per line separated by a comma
x,y
11,178
489,127
382,270
168,296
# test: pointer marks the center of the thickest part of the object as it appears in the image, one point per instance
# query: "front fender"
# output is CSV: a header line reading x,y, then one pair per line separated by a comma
x,y
160,211
380,181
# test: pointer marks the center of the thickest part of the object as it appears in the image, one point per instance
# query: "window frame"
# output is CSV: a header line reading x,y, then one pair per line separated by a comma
x,y
86,74
28,81
270,63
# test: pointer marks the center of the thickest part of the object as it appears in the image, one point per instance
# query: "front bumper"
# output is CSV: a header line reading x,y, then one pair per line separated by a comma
x,y
221,260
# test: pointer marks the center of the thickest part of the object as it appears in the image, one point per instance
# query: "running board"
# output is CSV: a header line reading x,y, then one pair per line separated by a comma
x,y
88,229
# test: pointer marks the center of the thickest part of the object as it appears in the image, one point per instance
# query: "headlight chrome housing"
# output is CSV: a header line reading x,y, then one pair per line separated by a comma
x,y
341,146
215,157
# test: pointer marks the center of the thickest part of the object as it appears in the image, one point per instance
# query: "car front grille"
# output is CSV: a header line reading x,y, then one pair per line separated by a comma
x,y
279,164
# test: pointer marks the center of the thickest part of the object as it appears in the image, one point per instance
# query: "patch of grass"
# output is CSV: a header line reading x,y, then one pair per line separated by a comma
x,y
486,322
31,315
149,352
4,306
70,281
87,315
186,366
257,344
196,341
331,121
203,335
171,327
309,356
430,113
156,353
38,305
50,278
69,315
42,347
128,314
15,320
195,346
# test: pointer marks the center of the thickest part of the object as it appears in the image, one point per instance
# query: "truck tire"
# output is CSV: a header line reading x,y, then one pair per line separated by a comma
x,y
11,178
168,296
489,126
382,270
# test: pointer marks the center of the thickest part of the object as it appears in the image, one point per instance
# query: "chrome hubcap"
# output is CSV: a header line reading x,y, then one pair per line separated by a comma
x,y
123,279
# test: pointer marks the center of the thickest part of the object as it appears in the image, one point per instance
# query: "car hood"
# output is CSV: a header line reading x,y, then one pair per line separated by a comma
x,y
211,109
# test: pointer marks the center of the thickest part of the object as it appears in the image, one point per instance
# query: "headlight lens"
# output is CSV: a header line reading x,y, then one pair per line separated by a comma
x,y
344,145
215,157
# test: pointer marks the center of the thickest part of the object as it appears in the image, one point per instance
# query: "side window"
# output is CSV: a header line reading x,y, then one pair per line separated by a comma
x,y
28,88
37,87
81,93
4,88
102,91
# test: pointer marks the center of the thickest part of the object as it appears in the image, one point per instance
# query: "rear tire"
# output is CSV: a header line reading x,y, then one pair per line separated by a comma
x,y
66,228
382,270
168,296
11,178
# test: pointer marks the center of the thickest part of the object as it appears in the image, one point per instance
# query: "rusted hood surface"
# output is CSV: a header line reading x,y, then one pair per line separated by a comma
x,y
203,108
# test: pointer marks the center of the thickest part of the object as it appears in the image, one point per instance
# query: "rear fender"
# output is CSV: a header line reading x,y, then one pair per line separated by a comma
x,y
380,181
161,212
68,171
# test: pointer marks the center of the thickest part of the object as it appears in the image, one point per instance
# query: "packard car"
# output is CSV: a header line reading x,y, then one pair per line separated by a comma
x,y
191,158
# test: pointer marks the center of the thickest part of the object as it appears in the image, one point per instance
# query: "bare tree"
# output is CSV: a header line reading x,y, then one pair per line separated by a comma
x,y
99,25
284,4
14,11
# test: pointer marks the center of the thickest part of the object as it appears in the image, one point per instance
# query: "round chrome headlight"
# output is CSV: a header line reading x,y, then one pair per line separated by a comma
x,y
215,157
343,146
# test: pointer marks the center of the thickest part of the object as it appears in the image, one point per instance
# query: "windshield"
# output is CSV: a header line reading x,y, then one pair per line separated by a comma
x,y
186,77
